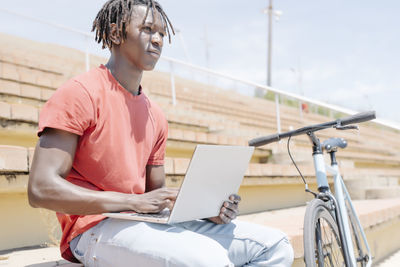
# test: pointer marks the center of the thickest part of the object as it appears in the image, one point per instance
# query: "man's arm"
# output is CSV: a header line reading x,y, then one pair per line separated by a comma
x,y
48,188
155,177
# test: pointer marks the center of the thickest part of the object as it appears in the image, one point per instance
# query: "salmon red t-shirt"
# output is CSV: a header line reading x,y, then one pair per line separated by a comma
x,y
119,135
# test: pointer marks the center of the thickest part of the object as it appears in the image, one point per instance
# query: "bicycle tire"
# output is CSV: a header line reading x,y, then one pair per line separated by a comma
x,y
322,244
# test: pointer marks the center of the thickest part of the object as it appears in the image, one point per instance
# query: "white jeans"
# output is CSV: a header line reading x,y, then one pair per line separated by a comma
x,y
115,242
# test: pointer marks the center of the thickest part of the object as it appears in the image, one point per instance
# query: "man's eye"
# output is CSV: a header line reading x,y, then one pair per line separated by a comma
x,y
146,29
162,34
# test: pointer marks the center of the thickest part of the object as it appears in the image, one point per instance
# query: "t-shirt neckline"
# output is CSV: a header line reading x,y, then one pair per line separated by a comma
x,y
119,86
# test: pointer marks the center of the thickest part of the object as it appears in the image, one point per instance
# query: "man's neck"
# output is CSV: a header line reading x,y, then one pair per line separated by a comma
x,y
125,73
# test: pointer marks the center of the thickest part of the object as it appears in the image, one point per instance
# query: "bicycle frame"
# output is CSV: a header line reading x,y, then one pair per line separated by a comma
x,y
341,215
337,203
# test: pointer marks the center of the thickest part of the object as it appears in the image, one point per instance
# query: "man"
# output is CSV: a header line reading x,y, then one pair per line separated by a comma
x,y
101,149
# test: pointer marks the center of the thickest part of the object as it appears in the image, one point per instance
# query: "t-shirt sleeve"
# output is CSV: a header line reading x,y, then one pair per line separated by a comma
x,y
158,153
70,109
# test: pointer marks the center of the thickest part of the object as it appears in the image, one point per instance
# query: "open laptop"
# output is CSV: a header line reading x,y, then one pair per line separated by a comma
x,y
214,173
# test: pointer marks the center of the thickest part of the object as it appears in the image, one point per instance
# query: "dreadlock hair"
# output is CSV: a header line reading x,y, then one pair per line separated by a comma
x,y
120,12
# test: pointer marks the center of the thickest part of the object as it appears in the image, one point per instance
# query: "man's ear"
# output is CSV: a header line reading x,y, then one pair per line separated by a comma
x,y
114,34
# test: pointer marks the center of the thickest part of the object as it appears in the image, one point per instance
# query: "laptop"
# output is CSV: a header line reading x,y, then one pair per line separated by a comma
x,y
214,173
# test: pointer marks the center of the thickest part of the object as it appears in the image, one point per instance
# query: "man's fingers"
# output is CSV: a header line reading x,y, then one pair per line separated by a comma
x,y
230,210
171,197
174,192
235,198
224,218
231,206
165,204
169,204
170,193
229,213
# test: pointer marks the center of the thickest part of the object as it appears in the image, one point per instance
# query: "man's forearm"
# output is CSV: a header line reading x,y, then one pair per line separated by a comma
x,y
65,197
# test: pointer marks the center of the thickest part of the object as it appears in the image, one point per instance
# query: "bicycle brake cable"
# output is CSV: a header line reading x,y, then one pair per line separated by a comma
x,y
298,170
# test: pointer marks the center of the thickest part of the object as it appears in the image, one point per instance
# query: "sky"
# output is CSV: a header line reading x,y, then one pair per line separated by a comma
x,y
341,52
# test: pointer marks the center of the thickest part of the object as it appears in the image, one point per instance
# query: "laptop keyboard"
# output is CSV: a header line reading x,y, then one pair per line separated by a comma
x,y
163,214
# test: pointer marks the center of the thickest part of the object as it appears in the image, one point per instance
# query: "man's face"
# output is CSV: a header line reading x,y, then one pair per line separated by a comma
x,y
144,41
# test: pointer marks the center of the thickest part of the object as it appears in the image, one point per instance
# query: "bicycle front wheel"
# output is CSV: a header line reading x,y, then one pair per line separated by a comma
x,y
322,244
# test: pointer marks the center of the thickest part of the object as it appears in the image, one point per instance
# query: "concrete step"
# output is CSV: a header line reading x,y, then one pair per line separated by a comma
x,y
38,257
358,187
391,261
19,112
382,192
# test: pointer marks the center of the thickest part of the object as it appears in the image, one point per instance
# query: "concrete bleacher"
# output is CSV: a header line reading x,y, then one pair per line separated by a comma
x,y
208,115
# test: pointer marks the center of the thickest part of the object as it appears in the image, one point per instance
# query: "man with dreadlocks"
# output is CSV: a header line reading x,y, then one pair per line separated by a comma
x,y
101,149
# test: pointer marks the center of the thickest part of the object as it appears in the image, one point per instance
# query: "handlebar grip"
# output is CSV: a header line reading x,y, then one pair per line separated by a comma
x,y
260,141
359,117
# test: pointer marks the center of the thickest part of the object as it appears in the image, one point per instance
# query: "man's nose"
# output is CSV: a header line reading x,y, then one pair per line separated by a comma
x,y
157,39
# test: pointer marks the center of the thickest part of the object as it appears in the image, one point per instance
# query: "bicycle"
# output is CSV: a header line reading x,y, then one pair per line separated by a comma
x,y
332,235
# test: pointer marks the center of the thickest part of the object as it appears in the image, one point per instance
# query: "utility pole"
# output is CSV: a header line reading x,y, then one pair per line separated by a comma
x,y
271,14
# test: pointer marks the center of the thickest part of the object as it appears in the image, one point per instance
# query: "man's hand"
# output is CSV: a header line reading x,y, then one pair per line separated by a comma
x,y
229,210
156,200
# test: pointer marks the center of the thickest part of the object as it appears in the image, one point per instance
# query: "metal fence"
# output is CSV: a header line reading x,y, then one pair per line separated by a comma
x,y
84,41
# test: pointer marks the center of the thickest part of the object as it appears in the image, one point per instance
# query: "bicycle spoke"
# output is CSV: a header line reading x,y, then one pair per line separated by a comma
x,y
331,241
329,245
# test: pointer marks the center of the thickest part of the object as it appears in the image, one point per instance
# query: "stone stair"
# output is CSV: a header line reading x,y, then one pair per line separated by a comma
x,y
373,187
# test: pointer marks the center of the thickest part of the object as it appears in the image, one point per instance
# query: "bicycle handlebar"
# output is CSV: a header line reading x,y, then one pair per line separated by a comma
x,y
359,117
356,118
260,141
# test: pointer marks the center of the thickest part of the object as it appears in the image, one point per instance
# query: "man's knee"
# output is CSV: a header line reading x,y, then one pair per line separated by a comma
x,y
282,253
277,250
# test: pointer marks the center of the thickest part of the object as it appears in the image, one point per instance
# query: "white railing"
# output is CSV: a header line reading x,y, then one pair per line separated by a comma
x,y
172,62
279,92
